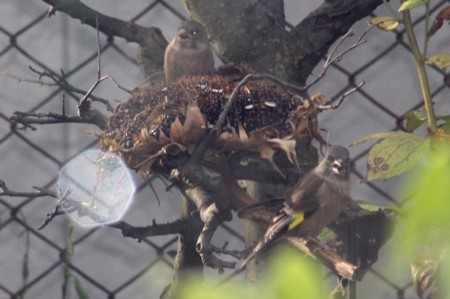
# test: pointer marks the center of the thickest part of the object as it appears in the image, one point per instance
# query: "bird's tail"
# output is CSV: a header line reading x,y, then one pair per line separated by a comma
x,y
236,272
256,250
274,232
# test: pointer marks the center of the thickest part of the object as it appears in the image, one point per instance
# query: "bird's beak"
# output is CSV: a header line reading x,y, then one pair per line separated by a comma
x,y
183,34
337,166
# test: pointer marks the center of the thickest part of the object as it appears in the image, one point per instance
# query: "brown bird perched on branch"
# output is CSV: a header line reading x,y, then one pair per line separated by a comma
x,y
313,203
188,53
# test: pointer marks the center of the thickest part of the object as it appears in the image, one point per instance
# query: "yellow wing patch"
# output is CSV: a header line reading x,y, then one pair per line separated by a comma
x,y
298,219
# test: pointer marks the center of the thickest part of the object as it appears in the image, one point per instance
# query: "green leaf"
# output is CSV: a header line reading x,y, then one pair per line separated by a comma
x,y
425,225
196,287
375,207
81,292
25,268
414,119
422,235
445,118
441,60
397,153
385,23
69,244
290,275
410,4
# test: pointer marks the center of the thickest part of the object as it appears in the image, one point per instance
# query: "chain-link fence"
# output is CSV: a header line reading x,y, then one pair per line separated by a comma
x,y
36,264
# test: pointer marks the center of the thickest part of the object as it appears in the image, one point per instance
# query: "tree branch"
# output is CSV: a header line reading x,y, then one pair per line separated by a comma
x,y
108,25
310,40
152,42
62,83
141,232
290,56
28,119
40,192
327,256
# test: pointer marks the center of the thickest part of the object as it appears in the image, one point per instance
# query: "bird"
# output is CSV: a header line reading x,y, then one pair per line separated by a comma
x,y
315,201
189,53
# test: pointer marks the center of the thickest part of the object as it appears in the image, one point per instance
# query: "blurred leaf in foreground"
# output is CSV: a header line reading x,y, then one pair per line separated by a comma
x,y
423,237
289,275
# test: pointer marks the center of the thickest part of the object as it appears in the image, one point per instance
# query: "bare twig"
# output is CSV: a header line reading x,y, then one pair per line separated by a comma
x,y
205,249
63,105
84,107
98,49
28,119
238,254
49,217
28,80
56,210
141,232
221,120
60,82
341,99
332,59
66,205
40,192
86,113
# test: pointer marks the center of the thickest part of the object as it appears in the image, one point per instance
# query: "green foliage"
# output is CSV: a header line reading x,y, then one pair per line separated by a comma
x,y
422,235
25,268
289,276
441,60
68,254
414,119
385,23
81,292
410,4
429,205
376,207
397,153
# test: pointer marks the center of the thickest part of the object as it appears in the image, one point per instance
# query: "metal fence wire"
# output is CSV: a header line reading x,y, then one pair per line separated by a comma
x,y
35,264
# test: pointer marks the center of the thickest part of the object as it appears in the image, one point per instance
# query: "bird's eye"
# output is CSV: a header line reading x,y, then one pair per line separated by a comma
x,y
193,32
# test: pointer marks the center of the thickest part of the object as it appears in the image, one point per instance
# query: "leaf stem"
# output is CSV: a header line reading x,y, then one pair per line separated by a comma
x,y
392,11
427,20
420,65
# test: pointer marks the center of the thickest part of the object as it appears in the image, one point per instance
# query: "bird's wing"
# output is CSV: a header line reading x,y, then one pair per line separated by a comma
x,y
302,202
273,204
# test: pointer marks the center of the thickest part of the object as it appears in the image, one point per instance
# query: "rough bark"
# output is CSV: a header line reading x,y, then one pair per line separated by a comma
x,y
253,33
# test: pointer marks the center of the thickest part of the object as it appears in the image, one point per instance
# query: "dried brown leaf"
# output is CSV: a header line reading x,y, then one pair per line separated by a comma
x,y
147,142
194,128
443,15
288,147
176,131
